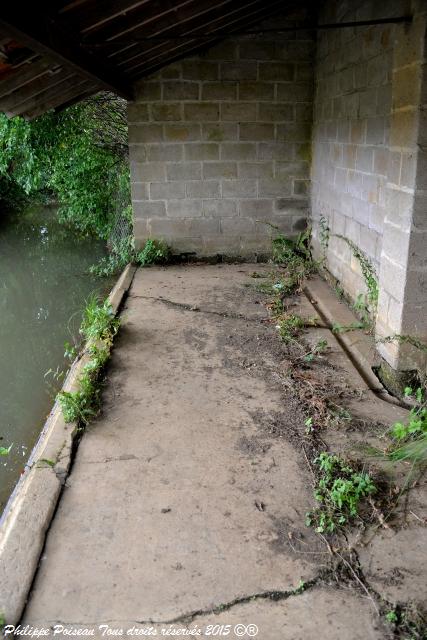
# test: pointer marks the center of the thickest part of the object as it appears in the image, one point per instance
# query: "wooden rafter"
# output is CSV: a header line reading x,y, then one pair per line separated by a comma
x,y
48,37
69,49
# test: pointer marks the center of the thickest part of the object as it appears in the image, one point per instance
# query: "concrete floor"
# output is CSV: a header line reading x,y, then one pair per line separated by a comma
x,y
187,497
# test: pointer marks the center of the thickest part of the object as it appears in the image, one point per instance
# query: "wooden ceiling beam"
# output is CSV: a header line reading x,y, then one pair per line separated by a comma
x,y
184,26
46,99
22,75
158,11
62,97
12,101
47,36
97,15
171,51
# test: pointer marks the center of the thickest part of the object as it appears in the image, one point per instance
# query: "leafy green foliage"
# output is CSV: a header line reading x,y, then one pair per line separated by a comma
x,y
99,326
99,321
339,491
123,252
292,251
77,406
78,155
154,252
294,257
411,438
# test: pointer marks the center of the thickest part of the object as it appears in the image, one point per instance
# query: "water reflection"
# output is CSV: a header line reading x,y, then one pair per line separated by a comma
x,y
44,283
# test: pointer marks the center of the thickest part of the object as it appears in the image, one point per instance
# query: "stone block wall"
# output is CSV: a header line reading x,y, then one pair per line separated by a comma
x,y
351,137
220,146
369,163
403,273
230,141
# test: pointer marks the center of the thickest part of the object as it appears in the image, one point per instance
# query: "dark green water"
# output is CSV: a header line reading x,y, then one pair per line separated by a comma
x,y
44,283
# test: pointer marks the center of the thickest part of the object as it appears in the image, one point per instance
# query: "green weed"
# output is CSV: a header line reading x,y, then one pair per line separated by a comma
x,y
319,347
289,327
302,586
408,622
4,451
324,233
99,326
289,251
154,252
361,307
410,439
404,339
391,616
123,252
99,322
337,327
47,461
77,406
339,491
70,351
368,271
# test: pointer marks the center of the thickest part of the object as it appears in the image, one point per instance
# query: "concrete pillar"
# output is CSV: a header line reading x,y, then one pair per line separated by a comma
x,y
403,267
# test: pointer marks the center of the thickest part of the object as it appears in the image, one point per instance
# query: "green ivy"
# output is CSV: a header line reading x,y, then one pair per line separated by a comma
x,y
368,271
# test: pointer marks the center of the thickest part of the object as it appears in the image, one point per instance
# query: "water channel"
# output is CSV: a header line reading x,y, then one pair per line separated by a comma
x,y
44,283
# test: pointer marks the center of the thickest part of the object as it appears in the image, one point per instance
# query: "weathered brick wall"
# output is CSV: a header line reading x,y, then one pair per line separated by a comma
x,y
351,136
219,145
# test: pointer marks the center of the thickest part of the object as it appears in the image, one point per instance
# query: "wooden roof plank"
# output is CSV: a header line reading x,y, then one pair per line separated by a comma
x,y
197,22
96,15
49,97
23,75
191,46
71,96
37,31
157,11
12,101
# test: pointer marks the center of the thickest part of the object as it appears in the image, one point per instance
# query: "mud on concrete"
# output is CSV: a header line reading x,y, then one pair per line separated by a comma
x,y
188,496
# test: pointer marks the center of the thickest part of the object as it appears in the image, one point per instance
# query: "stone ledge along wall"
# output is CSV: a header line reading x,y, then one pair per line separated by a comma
x,y
369,170
219,146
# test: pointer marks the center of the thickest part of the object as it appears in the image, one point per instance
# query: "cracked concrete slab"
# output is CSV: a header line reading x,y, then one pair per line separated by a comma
x,y
190,490
323,613
394,564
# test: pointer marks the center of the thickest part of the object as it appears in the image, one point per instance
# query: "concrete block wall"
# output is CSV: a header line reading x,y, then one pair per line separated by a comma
x,y
351,136
369,162
403,273
220,146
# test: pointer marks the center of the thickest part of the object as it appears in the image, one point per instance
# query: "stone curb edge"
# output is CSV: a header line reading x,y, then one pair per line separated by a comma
x,y
29,511
359,346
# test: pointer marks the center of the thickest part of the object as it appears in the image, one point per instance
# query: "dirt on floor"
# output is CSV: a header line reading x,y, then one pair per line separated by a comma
x,y
205,522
